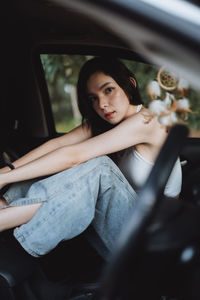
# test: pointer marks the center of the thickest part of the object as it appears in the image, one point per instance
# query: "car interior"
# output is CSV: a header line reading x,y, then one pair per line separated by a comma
x,y
159,257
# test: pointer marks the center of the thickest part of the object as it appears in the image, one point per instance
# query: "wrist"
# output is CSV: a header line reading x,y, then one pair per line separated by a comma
x,y
10,166
7,169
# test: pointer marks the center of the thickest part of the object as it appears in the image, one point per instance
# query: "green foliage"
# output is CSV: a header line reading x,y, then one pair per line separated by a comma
x,y
62,66
194,118
66,124
62,70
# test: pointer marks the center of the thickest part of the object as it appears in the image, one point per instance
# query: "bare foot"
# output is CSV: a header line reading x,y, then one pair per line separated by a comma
x,y
2,202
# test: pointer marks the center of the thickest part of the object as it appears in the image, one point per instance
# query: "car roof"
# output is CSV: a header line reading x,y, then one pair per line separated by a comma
x,y
50,21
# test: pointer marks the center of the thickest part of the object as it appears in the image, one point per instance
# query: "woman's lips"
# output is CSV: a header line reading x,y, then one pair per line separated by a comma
x,y
109,115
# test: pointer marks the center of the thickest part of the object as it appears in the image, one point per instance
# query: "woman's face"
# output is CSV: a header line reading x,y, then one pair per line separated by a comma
x,y
108,99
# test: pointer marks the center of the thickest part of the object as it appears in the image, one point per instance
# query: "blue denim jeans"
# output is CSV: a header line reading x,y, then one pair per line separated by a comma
x,y
94,192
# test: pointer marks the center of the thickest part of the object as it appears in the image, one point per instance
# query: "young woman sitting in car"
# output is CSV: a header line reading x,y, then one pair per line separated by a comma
x,y
82,184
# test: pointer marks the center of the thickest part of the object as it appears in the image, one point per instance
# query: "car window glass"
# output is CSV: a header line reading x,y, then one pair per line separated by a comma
x,y
61,73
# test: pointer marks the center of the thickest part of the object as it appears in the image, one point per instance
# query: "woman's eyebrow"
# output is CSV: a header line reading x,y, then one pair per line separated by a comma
x,y
103,85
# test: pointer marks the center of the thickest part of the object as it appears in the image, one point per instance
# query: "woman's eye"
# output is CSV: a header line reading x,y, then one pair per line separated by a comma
x,y
109,90
92,99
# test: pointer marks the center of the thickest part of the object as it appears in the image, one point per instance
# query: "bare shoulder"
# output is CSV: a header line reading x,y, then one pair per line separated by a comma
x,y
145,124
148,118
158,132
144,119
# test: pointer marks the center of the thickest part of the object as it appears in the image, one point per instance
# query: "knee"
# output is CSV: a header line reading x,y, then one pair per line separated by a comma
x,y
102,160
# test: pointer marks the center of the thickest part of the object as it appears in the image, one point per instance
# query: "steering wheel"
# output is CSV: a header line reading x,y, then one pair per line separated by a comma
x,y
149,198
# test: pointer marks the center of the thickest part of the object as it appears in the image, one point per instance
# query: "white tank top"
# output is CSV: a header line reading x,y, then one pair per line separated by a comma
x,y
136,169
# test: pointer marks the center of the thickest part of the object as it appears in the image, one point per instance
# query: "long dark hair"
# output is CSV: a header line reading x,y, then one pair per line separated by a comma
x,y
120,73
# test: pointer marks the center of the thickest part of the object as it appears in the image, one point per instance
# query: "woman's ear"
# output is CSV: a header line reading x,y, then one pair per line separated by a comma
x,y
133,81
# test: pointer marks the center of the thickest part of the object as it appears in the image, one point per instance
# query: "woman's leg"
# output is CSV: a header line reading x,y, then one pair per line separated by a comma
x,y
14,216
16,191
11,217
93,191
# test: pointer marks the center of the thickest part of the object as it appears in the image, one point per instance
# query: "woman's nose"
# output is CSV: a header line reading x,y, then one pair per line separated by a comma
x,y
103,102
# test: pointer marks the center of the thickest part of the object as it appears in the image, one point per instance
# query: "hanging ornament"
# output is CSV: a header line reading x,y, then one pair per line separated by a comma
x,y
153,89
173,107
182,87
167,80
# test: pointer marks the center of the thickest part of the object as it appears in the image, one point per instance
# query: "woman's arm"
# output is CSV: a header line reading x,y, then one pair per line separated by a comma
x,y
133,131
76,135
128,133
